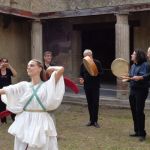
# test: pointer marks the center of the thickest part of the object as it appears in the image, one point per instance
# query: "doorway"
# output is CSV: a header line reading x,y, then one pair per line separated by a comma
x,y
101,40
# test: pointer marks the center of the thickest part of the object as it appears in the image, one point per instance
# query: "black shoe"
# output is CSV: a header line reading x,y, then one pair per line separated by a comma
x,y
142,138
134,135
96,125
89,124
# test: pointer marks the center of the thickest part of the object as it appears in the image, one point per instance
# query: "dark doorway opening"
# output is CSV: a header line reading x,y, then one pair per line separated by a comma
x,y
101,40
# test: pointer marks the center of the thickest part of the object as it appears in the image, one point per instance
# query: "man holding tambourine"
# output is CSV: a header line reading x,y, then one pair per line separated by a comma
x,y
90,72
139,85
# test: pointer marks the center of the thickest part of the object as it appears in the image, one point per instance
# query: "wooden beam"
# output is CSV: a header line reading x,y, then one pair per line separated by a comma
x,y
17,12
78,12
102,25
97,11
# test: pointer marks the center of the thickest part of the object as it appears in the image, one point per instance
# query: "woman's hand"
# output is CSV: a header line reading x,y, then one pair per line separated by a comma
x,y
137,78
49,71
6,65
59,71
2,91
125,78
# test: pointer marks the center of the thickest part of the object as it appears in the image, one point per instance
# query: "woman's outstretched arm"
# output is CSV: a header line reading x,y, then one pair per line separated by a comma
x,y
2,91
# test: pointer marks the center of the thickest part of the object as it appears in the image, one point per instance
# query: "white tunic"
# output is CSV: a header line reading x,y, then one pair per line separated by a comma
x,y
33,128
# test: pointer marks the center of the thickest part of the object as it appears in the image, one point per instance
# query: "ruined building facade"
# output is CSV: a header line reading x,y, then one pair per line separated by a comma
x,y
112,28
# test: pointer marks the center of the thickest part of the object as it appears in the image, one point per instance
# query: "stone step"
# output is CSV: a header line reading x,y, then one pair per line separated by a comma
x,y
80,99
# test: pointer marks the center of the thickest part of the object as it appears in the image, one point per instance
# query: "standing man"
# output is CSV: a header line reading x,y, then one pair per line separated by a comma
x,y
138,92
145,76
47,59
91,88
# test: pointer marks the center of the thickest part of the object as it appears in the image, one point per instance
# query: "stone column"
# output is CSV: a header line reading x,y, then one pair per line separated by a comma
x,y
76,53
122,49
36,40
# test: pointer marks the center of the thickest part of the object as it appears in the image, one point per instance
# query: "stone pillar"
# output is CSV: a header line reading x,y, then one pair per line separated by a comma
x,y
76,53
36,40
122,49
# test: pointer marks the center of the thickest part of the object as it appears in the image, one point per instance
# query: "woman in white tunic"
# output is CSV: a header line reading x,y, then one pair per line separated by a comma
x,y
33,127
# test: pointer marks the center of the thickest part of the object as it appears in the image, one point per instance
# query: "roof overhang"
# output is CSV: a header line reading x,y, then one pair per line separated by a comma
x,y
77,12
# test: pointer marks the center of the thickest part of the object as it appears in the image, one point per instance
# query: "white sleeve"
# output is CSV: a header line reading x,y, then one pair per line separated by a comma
x,y
12,97
55,92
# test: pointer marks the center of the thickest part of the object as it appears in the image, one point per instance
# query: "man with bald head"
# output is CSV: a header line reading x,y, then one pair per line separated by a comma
x,y
91,88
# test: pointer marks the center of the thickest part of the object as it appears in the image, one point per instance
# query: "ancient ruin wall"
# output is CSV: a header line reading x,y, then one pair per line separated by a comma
x,y
64,5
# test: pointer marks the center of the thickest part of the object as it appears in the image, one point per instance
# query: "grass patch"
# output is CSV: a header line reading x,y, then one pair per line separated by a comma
x,y
116,124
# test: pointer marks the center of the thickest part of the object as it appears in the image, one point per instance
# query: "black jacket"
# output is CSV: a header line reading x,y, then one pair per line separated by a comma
x,y
91,81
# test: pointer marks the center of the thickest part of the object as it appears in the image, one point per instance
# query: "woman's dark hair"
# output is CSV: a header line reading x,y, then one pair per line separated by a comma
x,y
140,56
4,60
43,73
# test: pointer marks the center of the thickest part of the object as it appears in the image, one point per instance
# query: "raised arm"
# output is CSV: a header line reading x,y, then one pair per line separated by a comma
x,y
59,71
7,65
12,70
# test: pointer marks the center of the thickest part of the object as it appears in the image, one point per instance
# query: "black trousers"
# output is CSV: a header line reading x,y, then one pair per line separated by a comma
x,y
137,100
2,108
92,96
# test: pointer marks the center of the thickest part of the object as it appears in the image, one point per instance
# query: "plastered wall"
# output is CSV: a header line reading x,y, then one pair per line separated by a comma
x,y
15,46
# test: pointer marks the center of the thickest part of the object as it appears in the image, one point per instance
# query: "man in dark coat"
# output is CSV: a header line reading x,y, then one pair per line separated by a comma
x,y
139,85
91,88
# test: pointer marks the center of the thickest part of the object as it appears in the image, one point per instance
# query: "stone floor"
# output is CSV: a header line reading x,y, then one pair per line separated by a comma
x,y
107,97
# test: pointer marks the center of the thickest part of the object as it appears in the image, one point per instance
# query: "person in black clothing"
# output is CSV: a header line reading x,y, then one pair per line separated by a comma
x,y
145,76
138,92
47,60
91,88
6,72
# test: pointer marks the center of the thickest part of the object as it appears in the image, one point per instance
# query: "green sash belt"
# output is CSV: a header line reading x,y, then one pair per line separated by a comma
x,y
37,98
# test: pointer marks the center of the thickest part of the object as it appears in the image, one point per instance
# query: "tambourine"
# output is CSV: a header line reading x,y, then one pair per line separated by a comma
x,y
120,68
90,66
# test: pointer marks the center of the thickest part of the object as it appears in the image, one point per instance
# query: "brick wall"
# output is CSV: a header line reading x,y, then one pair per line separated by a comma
x,y
15,45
